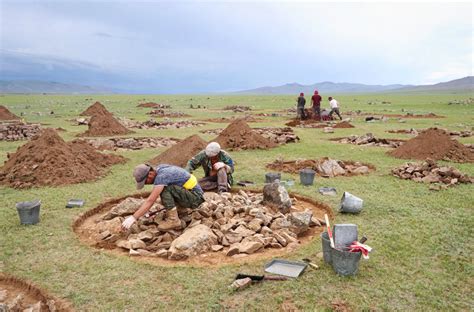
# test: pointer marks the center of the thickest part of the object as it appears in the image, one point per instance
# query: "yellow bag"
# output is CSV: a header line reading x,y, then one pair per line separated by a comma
x,y
191,183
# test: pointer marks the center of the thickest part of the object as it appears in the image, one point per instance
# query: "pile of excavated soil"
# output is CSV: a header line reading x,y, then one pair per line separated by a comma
x,y
324,167
343,124
239,136
48,160
305,123
180,153
435,144
231,227
20,295
5,114
95,109
105,124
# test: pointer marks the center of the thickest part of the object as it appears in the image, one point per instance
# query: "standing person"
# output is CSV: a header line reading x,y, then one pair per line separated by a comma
x,y
218,168
316,102
174,186
300,106
334,107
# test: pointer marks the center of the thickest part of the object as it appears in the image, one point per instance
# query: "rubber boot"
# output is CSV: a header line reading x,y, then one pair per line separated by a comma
x,y
171,221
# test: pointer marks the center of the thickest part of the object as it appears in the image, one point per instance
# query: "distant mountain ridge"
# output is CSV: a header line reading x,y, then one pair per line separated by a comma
x,y
465,83
50,87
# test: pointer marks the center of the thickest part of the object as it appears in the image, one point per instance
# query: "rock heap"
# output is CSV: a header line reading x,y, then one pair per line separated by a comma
x,y
325,167
130,143
5,114
277,135
247,118
153,105
232,224
369,139
237,108
429,172
14,131
163,113
165,124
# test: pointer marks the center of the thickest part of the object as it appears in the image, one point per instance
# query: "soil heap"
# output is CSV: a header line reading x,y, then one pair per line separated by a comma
x,y
95,109
105,124
238,135
5,114
343,124
48,160
435,144
180,153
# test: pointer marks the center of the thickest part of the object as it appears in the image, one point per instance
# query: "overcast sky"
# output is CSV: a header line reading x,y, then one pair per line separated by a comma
x,y
195,46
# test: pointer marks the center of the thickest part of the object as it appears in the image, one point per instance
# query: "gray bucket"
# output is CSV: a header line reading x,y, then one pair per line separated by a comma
x,y
307,176
29,211
272,177
345,263
327,250
350,203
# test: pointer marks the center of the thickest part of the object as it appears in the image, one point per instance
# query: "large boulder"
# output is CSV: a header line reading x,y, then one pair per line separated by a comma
x,y
196,240
276,195
330,168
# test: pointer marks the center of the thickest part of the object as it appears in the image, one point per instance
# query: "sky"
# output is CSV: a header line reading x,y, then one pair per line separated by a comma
x,y
210,46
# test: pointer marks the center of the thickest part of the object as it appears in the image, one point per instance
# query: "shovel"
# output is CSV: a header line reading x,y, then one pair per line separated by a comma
x,y
259,278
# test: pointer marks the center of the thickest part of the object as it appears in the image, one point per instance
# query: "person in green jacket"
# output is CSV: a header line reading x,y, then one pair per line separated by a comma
x,y
218,168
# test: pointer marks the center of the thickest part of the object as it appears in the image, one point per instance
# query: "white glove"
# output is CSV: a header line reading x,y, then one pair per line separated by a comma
x,y
218,165
128,222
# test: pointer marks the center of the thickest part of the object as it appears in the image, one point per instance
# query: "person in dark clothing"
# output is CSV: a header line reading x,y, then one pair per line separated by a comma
x,y
316,102
300,107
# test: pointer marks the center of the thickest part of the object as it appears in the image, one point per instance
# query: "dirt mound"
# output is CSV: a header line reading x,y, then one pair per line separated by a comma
x,y
324,167
343,124
20,295
308,123
180,153
105,124
5,114
238,135
48,160
95,109
435,144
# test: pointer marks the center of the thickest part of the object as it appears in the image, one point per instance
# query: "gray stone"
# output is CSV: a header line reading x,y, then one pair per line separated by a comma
x,y
193,241
113,226
300,221
276,195
216,247
137,243
126,207
250,247
123,244
330,168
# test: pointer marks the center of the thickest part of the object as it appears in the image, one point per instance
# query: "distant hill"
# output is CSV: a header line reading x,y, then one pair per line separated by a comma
x,y
465,83
51,87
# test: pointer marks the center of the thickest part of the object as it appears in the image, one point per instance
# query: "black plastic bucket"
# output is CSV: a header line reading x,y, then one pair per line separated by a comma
x,y
345,263
28,211
327,250
272,177
307,176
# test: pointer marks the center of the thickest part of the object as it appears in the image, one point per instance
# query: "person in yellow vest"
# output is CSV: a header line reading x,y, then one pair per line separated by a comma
x,y
174,186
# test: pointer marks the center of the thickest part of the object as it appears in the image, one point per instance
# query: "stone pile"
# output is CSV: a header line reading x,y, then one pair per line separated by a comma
x,y
20,303
81,121
154,105
368,139
247,118
277,135
412,131
130,143
14,131
429,172
232,224
164,124
462,102
163,113
237,108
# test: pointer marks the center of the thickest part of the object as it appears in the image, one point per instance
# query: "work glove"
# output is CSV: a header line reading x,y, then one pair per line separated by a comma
x,y
219,165
128,222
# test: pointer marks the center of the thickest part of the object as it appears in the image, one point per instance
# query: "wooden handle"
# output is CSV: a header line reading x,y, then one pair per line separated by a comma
x,y
329,230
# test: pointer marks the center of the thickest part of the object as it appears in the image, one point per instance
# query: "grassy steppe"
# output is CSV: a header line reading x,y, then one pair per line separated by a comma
x,y
422,240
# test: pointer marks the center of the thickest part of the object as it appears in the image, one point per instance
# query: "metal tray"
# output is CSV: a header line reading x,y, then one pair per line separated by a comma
x,y
75,203
285,267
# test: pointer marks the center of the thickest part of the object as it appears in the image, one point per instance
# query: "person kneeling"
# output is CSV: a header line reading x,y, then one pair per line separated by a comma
x,y
174,186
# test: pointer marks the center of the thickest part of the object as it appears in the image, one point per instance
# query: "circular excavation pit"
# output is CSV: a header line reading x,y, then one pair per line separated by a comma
x,y
19,295
114,144
229,228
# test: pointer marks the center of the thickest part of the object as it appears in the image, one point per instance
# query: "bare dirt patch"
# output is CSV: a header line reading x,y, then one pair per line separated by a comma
x,y
91,228
343,124
5,114
308,123
180,153
369,139
48,160
14,131
130,143
324,167
239,136
278,135
435,144
18,295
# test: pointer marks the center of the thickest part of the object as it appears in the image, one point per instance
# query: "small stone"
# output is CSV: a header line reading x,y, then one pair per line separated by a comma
x,y
144,253
216,248
3,295
163,253
233,250
123,244
241,283
250,247
137,244
133,253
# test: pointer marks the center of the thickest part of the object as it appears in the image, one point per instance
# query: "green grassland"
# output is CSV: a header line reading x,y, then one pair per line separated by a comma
x,y
422,240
